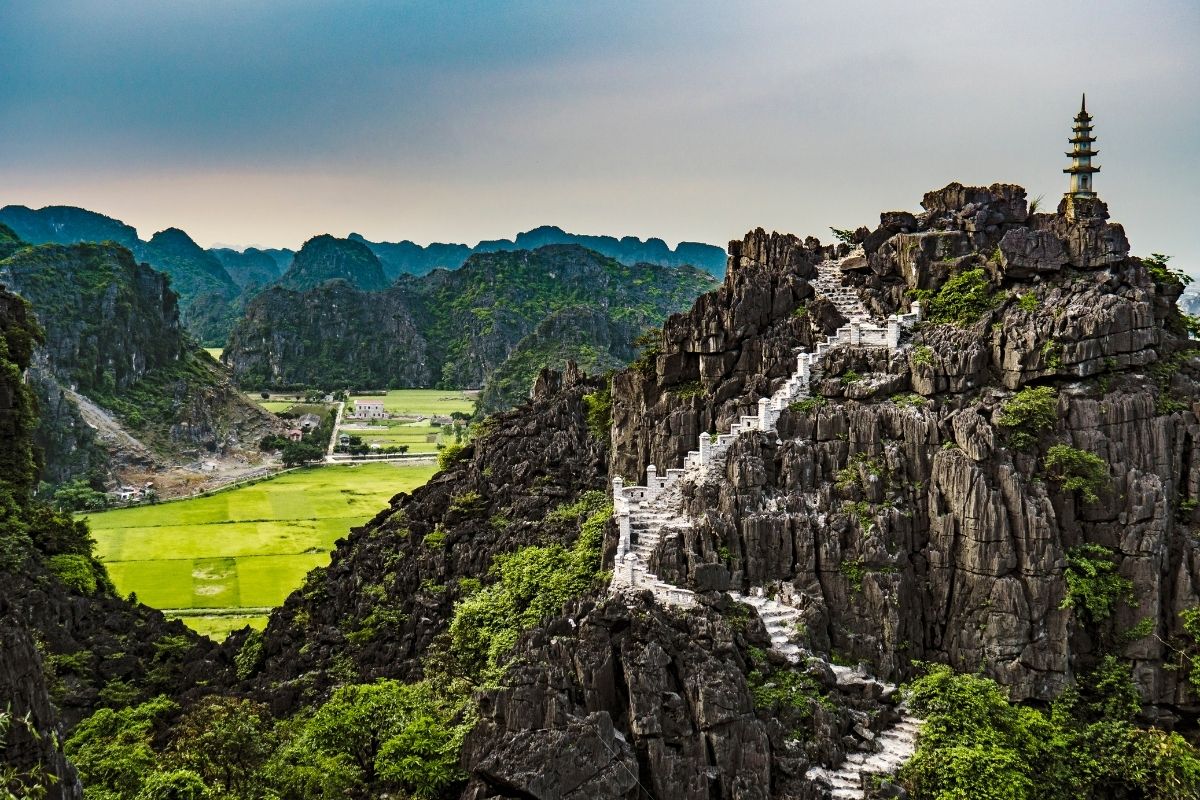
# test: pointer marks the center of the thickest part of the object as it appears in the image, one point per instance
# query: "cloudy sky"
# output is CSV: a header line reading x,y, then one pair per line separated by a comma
x,y
268,121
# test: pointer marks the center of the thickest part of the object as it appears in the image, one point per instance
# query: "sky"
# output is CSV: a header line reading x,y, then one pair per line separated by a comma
x,y
266,122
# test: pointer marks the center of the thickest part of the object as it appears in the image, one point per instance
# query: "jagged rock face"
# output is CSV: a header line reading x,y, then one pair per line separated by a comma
x,y
731,345
918,529
32,740
204,288
112,328
332,335
326,258
590,337
528,463
108,319
627,701
457,328
64,653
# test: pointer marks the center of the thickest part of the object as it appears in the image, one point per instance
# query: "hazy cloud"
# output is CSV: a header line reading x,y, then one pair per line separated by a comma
x,y
270,121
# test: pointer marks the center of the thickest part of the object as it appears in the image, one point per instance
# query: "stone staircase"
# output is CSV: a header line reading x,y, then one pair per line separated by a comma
x,y
644,513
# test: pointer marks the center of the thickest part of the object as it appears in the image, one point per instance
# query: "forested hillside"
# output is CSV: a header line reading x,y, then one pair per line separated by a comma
x,y
119,382
456,328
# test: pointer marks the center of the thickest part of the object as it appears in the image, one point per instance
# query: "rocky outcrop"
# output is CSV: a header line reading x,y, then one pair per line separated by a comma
x,y
458,328
67,646
332,335
113,339
590,337
327,258
902,512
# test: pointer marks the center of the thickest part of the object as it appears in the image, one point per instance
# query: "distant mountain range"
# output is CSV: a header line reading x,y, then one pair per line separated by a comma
x,y
408,258
495,322
215,285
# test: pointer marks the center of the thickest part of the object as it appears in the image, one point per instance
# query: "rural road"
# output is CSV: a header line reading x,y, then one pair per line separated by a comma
x,y
337,425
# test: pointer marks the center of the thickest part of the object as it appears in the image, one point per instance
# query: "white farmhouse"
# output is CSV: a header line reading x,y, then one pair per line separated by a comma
x,y
369,409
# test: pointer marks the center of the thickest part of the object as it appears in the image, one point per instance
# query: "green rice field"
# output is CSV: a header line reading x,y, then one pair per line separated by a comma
x,y
223,560
419,437
426,401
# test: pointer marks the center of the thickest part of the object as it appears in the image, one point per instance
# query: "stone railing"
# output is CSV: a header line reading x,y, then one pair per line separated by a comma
x,y
630,502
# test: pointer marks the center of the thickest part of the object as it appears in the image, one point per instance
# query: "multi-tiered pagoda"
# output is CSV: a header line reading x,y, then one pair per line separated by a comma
x,y
1081,168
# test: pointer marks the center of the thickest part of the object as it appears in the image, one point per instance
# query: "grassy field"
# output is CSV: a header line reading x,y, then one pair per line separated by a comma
x,y
246,548
420,438
215,352
426,401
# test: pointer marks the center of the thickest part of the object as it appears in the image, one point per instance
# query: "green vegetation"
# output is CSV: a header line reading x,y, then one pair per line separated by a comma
x,y
1093,584
495,321
808,405
78,495
977,745
245,549
854,571
1190,617
400,738
76,570
963,299
530,584
843,235
1028,302
426,402
649,345
909,400
783,688
852,474
451,454
1163,275
922,355
1052,353
1077,471
1028,413
850,377
598,412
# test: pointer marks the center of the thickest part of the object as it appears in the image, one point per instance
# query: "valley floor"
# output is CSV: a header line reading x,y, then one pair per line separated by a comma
x,y
224,560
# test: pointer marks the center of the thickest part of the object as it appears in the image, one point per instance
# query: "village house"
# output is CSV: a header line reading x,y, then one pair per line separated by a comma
x,y
126,494
309,422
369,409
295,435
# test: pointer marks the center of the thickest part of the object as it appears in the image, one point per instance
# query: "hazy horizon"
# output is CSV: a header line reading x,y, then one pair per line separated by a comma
x,y
265,124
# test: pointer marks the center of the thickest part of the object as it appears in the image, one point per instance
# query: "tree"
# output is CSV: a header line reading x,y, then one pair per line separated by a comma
x,y
112,748
226,741
395,734
297,453
77,495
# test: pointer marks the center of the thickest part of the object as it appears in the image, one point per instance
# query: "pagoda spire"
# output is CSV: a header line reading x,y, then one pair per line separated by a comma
x,y
1081,169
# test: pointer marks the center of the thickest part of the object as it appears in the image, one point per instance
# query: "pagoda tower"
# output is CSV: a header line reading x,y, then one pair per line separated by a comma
x,y
1081,168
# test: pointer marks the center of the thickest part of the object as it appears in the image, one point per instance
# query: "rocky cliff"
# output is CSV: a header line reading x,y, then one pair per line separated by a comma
x,y
326,258
454,328
1009,488
119,383
905,506
68,645
206,291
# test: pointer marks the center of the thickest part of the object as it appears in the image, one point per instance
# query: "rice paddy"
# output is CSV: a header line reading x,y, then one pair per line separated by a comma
x,y
223,560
